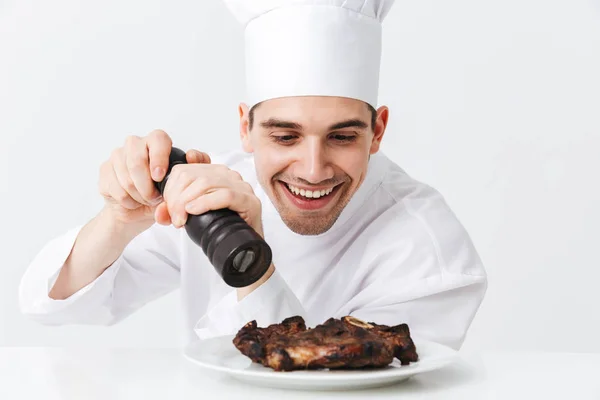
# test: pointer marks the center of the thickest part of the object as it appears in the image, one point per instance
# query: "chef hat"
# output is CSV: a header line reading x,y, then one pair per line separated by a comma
x,y
311,47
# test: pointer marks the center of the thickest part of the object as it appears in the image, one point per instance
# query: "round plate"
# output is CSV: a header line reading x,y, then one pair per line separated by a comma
x,y
219,354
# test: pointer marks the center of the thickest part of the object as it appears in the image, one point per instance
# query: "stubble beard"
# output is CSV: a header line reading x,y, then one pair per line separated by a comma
x,y
310,225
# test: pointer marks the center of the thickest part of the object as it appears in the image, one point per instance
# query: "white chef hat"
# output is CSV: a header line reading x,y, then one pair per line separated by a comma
x,y
311,47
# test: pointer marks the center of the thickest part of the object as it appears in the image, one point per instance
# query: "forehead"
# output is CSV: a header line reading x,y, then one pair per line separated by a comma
x,y
311,110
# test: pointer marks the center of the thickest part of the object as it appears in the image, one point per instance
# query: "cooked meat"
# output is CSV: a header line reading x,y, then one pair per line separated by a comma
x,y
397,335
335,344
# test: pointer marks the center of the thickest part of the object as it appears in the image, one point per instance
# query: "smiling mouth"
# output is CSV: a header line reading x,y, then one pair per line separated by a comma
x,y
309,194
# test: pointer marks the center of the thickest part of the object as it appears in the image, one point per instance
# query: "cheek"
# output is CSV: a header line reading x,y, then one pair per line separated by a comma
x,y
270,161
353,162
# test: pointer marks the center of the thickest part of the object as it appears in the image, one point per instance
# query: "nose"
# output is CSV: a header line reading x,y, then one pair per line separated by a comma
x,y
314,164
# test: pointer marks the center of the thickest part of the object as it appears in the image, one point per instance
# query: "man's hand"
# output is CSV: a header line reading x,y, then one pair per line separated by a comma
x,y
127,178
197,188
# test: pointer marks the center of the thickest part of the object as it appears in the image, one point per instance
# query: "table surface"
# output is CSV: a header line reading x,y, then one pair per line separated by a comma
x,y
86,373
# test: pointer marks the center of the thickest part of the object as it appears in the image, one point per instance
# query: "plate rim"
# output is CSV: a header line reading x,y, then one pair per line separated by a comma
x,y
450,356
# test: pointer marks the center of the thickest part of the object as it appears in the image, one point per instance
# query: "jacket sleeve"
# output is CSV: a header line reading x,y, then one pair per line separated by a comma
x,y
430,276
147,269
439,309
270,303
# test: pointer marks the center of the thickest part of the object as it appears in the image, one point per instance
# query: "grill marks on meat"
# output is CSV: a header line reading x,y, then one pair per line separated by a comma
x,y
336,344
251,340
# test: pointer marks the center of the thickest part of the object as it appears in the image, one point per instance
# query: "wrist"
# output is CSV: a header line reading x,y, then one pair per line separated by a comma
x,y
245,291
109,221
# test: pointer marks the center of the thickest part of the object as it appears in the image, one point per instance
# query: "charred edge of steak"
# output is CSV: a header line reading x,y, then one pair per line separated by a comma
x,y
398,335
405,349
250,339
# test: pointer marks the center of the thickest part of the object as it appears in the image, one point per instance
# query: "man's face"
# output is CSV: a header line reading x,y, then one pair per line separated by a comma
x,y
311,155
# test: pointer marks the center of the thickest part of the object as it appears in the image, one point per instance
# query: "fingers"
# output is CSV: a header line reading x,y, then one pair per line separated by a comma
x,y
111,189
239,198
161,214
190,191
190,182
159,148
137,163
119,163
197,157
181,177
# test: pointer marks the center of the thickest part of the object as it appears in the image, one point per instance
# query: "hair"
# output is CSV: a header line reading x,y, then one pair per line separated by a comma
x,y
370,107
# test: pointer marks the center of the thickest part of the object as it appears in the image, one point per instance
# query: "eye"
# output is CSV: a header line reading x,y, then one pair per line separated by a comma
x,y
284,139
343,138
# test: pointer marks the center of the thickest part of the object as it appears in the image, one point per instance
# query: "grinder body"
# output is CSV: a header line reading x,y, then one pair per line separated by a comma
x,y
236,251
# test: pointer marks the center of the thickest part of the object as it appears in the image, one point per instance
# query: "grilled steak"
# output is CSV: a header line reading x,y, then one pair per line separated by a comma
x,y
336,344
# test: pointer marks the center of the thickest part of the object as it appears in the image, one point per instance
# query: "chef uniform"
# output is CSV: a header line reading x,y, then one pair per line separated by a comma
x,y
396,254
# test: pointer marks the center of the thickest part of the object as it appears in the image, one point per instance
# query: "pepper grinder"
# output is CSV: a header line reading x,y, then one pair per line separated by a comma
x,y
236,251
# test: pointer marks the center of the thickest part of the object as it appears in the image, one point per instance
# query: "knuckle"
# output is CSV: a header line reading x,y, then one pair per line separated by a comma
x,y
159,134
184,175
221,169
247,187
129,185
235,175
104,168
177,170
228,195
131,140
136,161
120,196
202,182
146,194
116,154
175,173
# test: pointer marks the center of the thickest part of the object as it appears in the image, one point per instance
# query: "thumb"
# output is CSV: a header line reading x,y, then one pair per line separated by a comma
x,y
197,157
161,214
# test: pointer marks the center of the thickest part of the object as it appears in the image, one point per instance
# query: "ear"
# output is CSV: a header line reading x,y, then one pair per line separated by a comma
x,y
383,114
245,128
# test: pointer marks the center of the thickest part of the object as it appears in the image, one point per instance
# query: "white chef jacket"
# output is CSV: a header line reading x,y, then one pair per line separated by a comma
x,y
397,254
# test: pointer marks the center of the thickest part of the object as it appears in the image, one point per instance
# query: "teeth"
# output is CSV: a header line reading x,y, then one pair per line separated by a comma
x,y
311,194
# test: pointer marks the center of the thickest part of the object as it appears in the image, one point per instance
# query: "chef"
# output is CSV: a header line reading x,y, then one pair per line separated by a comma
x,y
351,232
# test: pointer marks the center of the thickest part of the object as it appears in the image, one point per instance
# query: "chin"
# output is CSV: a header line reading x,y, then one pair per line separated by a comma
x,y
308,226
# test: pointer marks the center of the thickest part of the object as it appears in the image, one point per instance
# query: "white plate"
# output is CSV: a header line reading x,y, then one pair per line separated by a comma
x,y
219,354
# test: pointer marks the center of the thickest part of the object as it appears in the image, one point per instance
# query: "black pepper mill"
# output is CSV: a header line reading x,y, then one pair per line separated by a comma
x,y
237,252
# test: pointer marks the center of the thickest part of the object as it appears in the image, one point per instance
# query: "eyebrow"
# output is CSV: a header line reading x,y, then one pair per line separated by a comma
x,y
351,123
278,123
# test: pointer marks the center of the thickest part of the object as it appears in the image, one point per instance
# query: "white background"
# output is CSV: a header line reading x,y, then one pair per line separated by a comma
x,y
496,104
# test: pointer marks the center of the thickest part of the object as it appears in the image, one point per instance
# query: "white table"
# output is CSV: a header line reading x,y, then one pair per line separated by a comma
x,y
88,374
